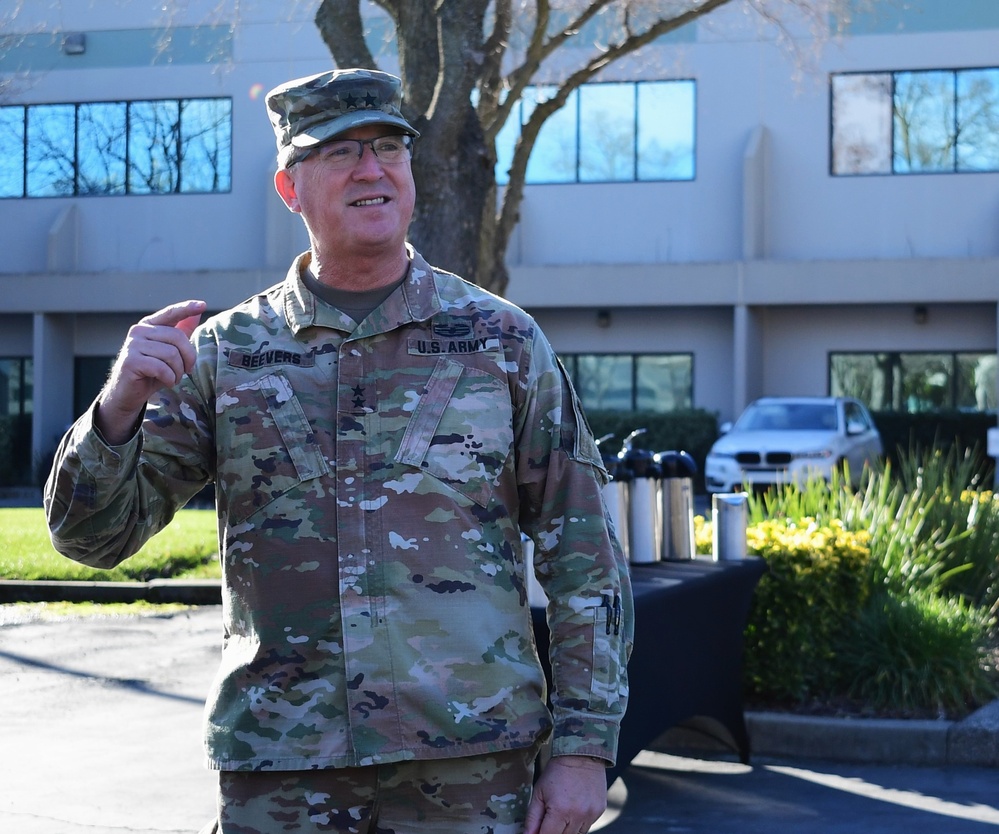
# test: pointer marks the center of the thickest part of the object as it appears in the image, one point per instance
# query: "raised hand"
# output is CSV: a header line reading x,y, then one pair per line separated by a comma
x,y
156,354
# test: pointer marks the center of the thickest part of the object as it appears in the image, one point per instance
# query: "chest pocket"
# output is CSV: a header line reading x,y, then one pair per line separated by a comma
x,y
269,445
461,431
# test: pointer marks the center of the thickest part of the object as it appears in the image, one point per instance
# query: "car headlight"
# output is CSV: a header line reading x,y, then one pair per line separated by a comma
x,y
724,455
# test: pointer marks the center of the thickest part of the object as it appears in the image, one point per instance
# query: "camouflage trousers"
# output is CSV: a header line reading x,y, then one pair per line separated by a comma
x,y
473,795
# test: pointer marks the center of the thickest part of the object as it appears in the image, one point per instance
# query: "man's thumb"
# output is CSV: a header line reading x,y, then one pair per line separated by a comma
x,y
186,326
535,814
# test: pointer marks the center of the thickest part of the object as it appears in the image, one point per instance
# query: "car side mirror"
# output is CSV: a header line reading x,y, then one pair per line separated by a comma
x,y
725,427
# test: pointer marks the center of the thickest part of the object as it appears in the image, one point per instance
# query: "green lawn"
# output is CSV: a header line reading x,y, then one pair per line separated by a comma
x,y
186,548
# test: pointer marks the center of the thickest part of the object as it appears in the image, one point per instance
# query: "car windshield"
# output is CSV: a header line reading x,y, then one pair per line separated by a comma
x,y
788,417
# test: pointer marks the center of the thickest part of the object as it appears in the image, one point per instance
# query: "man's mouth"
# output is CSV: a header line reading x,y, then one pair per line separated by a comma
x,y
374,201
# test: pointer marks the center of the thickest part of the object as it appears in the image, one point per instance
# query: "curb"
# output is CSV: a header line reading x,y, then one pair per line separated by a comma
x,y
970,742
189,592
973,741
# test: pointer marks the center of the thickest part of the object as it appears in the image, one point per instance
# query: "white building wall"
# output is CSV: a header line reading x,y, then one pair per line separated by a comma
x,y
741,86
798,340
705,332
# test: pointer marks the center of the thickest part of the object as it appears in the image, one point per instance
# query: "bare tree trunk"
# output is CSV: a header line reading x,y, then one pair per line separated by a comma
x,y
453,165
453,184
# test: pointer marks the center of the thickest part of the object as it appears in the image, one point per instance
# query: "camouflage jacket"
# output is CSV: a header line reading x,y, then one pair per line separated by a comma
x,y
372,482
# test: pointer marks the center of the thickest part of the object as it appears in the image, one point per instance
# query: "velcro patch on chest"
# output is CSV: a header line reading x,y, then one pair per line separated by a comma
x,y
265,358
444,347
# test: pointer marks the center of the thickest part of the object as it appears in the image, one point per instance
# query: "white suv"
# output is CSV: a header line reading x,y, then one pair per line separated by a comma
x,y
781,440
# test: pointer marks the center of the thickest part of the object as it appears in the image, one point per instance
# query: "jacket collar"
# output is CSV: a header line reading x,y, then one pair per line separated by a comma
x,y
416,299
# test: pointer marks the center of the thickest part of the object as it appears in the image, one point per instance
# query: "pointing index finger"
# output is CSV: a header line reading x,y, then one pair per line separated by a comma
x,y
174,314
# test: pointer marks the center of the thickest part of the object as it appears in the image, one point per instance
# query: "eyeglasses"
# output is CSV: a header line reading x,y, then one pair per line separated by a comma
x,y
345,153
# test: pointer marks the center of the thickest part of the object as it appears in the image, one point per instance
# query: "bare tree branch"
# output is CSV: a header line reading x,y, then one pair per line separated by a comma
x,y
495,49
510,209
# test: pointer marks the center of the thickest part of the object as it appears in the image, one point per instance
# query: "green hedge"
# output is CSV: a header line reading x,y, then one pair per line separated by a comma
x,y
965,430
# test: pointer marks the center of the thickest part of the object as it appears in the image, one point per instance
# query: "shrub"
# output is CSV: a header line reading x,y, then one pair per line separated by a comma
x,y
814,499
950,484
816,584
980,549
962,431
930,525
919,644
931,528
917,654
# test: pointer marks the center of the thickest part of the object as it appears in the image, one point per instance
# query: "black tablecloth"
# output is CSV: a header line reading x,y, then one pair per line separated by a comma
x,y
687,660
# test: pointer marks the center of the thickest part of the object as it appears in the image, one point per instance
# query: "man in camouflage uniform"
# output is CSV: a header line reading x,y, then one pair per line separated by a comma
x,y
379,434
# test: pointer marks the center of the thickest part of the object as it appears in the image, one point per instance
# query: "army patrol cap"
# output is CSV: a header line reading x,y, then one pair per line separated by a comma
x,y
308,111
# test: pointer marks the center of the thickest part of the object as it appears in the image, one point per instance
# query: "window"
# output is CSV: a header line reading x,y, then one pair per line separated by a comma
x,y
15,420
15,387
857,420
607,132
630,382
112,148
930,121
89,375
916,382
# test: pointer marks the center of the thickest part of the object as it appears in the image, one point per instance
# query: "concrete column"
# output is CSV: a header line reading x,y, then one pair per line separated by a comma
x,y
755,245
53,380
747,357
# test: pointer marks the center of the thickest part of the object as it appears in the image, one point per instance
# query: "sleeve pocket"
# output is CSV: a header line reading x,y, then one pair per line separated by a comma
x,y
605,685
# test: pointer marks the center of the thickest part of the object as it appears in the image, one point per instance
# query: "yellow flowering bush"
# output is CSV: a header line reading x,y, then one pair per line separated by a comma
x,y
702,535
815,586
884,597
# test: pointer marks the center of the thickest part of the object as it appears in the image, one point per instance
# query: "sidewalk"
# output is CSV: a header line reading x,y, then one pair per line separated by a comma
x,y
101,729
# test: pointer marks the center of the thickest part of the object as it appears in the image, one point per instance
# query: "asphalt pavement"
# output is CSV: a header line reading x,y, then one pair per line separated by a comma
x,y
101,734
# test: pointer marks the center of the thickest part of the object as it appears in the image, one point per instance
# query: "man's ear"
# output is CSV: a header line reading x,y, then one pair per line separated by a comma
x,y
284,183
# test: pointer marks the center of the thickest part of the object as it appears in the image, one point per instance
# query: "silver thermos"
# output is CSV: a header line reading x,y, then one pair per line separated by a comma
x,y
615,493
676,507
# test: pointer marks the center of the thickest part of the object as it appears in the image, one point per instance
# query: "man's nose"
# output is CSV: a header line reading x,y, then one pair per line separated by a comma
x,y
368,161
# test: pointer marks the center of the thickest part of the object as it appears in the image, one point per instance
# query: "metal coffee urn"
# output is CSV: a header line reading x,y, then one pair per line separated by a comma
x,y
615,493
676,507
643,503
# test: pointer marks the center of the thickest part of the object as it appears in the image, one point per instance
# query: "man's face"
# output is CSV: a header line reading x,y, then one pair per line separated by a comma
x,y
360,210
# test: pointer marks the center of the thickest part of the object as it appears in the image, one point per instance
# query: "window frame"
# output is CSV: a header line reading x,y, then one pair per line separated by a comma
x,y
572,111
571,363
23,366
956,128
175,158
894,361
